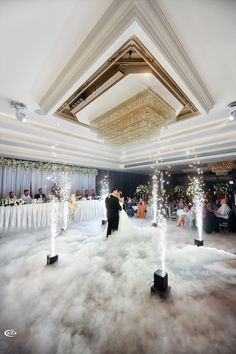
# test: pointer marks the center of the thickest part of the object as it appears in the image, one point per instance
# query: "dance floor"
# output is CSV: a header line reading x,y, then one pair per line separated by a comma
x,y
96,299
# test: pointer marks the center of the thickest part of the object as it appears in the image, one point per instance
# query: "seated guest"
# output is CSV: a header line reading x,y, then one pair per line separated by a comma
x,y
86,194
93,194
205,210
182,216
180,204
40,194
129,207
142,209
26,197
213,219
78,195
181,212
223,212
11,195
210,223
56,190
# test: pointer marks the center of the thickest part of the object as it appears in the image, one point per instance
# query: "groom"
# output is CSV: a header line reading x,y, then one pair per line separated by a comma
x,y
113,207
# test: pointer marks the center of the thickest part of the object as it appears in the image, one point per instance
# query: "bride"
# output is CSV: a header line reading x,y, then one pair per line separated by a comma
x,y
124,222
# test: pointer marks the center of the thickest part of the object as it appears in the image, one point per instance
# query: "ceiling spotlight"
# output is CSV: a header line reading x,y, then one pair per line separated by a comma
x,y
232,110
19,107
40,112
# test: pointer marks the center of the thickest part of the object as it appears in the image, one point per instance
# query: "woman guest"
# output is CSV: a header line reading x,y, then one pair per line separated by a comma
x,y
182,215
93,194
86,194
78,195
181,204
205,210
142,209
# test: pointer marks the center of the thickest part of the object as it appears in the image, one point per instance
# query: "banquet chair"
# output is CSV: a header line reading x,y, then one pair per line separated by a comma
x,y
172,213
224,225
189,220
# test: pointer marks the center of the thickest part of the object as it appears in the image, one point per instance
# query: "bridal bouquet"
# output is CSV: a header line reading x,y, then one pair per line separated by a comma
x,y
142,189
11,202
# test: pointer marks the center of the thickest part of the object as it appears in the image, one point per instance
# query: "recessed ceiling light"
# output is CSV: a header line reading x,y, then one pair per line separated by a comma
x,y
40,112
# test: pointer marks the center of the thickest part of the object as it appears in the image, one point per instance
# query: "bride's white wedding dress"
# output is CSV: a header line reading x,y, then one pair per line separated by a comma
x,y
124,222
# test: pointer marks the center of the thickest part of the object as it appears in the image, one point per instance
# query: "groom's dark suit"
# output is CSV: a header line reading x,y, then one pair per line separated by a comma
x,y
113,207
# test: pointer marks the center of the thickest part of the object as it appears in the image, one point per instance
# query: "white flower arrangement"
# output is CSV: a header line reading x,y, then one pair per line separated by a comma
x,y
142,189
39,165
223,188
195,188
190,191
180,190
11,202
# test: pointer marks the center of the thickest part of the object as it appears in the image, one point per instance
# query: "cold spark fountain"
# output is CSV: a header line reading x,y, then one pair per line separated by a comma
x,y
154,195
160,286
53,257
65,194
54,221
198,199
104,191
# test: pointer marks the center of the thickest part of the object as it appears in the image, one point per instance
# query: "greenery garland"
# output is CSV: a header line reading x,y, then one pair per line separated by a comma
x,y
45,166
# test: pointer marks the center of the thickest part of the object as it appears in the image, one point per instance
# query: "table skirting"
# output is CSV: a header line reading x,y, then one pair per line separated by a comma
x,y
40,215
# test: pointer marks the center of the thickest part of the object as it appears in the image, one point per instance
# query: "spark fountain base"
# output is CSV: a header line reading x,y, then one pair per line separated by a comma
x,y
52,259
198,243
160,286
104,222
154,224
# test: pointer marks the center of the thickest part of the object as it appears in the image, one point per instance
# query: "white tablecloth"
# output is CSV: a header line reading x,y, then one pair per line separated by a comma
x,y
39,215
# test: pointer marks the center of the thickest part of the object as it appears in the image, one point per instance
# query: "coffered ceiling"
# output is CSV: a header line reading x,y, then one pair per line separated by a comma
x,y
72,61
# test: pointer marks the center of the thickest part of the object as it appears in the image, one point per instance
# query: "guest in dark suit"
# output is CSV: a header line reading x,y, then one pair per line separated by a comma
x,y
113,206
40,194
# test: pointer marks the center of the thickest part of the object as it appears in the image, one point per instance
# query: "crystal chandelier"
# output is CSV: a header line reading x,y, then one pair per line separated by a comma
x,y
221,168
135,120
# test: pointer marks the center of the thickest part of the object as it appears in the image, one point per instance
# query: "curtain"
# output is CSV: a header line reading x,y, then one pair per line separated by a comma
x,y
18,178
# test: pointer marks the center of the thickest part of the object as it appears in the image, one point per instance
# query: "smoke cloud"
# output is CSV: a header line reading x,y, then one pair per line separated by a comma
x,y
96,299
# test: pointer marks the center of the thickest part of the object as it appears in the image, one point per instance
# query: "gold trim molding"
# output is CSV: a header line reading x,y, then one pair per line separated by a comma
x,y
132,57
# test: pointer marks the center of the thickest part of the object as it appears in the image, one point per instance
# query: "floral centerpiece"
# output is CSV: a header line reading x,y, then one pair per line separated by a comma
x,y
11,202
142,189
224,189
190,191
180,190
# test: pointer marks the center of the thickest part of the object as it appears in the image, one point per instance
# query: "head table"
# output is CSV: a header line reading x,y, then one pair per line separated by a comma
x,y
40,215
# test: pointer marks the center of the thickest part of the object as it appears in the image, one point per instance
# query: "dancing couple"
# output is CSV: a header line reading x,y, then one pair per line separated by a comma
x,y
117,218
